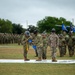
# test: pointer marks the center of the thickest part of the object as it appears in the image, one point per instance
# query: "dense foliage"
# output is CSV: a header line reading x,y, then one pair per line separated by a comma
x,y
50,22
7,26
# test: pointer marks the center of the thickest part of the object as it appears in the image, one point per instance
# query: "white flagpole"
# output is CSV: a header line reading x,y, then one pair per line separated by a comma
x,y
73,21
27,23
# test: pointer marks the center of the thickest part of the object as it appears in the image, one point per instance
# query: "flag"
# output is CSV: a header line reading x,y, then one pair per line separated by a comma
x,y
72,28
30,40
64,27
34,47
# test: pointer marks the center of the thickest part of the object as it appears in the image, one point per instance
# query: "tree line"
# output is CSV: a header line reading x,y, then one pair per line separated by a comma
x,y
47,24
7,26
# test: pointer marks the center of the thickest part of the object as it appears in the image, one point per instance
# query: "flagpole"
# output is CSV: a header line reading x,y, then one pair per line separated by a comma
x,y
27,23
73,21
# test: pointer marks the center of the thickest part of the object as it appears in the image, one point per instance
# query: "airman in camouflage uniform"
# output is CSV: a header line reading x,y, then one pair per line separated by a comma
x,y
53,43
25,44
62,45
39,43
45,44
64,37
34,39
71,44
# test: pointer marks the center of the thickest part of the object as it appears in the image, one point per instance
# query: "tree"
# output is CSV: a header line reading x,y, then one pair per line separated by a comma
x,y
5,26
31,28
17,28
50,22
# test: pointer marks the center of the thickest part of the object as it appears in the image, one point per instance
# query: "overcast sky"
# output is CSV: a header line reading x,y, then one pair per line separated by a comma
x,y
21,11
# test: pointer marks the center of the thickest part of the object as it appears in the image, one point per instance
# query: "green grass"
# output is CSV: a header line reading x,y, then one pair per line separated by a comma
x,y
11,45
16,52
37,69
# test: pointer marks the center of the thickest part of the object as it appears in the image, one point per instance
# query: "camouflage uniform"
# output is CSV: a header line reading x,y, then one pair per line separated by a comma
x,y
45,44
25,45
39,43
33,40
54,43
62,45
71,44
64,37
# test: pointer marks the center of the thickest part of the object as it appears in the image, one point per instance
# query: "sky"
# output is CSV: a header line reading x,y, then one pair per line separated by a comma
x,y
29,12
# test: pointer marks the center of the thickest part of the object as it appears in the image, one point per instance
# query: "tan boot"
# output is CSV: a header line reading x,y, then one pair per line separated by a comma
x,y
39,59
54,60
25,59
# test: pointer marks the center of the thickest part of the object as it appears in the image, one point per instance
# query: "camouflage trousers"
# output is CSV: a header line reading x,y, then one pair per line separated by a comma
x,y
53,53
71,50
62,50
44,52
36,52
39,51
25,51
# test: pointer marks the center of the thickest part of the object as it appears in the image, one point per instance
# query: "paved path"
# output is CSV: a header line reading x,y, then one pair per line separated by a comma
x,y
34,61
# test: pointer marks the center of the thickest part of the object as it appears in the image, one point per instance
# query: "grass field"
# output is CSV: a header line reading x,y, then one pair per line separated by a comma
x,y
14,51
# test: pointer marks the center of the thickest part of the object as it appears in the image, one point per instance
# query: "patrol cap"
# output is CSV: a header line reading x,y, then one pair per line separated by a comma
x,y
53,30
35,31
27,33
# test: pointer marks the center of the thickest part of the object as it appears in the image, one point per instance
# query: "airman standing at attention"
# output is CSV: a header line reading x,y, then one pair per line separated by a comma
x,y
64,37
71,44
45,45
62,45
53,43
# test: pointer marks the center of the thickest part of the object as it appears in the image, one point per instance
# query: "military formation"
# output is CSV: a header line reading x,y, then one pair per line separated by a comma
x,y
63,42
6,38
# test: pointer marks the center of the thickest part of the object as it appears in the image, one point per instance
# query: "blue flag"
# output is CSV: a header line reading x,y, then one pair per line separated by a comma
x,y
30,40
64,27
72,28
34,47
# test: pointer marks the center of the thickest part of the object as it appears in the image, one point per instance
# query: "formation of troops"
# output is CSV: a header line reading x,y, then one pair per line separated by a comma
x,y
6,38
62,42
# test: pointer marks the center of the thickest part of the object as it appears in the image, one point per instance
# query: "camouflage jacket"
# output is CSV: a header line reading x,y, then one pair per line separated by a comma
x,y
53,40
25,40
62,42
71,41
38,41
45,42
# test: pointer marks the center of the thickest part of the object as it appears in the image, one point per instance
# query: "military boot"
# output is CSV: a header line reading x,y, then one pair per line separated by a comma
x,y
54,60
39,59
25,59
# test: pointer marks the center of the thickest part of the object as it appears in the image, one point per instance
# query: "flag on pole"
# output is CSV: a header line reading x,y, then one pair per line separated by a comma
x,y
64,27
72,28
